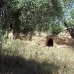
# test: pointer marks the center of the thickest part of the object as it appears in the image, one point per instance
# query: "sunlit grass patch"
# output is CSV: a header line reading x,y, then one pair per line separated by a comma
x,y
55,60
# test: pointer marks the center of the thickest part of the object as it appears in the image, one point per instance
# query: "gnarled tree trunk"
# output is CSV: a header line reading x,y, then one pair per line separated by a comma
x,y
70,29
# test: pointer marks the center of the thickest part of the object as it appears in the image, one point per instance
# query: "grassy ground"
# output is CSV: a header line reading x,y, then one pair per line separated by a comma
x,y
20,57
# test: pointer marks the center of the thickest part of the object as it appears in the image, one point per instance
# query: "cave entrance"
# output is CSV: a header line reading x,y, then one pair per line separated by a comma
x,y
49,42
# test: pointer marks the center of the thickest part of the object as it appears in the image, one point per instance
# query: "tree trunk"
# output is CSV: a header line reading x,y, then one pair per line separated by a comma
x,y
71,30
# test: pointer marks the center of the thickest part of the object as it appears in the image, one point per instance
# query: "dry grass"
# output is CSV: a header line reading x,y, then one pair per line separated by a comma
x,y
38,59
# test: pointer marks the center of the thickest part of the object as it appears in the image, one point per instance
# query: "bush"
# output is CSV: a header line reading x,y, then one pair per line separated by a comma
x,y
56,29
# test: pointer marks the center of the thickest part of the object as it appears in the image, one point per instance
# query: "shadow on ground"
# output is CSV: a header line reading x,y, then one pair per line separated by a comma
x,y
18,65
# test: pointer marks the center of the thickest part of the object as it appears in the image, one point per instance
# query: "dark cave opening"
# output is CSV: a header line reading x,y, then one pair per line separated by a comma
x,y
49,42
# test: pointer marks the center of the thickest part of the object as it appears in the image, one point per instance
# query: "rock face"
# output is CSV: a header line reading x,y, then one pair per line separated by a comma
x,y
64,38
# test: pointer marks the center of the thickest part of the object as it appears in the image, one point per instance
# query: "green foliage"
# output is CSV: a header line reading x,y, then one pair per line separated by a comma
x,y
38,14
56,29
72,13
70,23
30,15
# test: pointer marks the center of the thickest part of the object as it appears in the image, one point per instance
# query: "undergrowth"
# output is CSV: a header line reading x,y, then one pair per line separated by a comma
x,y
19,57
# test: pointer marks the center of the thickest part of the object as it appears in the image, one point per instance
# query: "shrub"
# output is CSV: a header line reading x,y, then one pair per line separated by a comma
x,y
56,29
